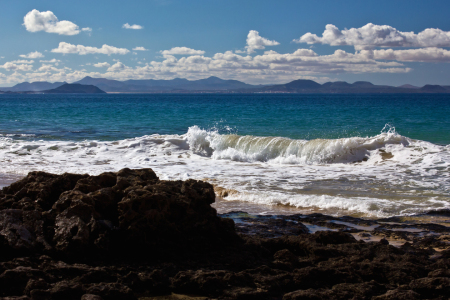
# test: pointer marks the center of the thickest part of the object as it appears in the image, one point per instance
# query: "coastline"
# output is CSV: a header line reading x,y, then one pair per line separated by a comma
x,y
129,235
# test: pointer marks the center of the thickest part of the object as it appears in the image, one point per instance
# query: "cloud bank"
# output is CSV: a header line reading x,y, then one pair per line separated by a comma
x,y
370,36
182,51
372,55
66,48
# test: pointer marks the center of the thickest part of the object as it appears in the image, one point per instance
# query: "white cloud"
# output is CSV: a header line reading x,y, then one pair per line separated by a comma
x,y
266,67
269,67
22,61
102,65
49,68
431,54
88,29
67,48
35,54
52,61
255,41
16,66
371,36
118,66
139,49
128,26
47,21
182,51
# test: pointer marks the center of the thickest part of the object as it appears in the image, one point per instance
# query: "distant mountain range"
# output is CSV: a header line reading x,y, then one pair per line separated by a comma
x,y
217,85
342,87
65,88
174,85
33,87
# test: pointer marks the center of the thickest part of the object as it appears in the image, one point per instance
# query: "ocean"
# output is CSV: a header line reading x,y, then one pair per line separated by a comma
x,y
373,155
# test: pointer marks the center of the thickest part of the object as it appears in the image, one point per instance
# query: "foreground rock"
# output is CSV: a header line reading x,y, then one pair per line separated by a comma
x,y
129,235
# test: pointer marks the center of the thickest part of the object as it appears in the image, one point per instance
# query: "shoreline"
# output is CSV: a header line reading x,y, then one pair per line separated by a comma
x,y
128,235
225,207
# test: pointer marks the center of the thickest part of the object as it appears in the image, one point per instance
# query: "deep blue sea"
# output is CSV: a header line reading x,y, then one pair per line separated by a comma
x,y
367,155
119,116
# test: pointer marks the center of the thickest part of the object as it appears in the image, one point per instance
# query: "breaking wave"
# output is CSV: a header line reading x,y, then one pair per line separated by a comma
x,y
284,150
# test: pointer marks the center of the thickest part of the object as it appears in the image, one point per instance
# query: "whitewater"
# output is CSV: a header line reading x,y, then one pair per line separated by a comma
x,y
382,175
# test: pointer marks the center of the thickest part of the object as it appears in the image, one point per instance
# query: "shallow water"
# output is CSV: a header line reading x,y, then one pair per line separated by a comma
x,y
360,155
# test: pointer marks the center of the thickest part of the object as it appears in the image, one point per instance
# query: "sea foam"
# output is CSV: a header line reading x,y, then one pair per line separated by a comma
x,y
382,175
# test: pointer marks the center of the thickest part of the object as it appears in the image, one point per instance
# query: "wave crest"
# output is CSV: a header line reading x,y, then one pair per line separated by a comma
x,y
284,150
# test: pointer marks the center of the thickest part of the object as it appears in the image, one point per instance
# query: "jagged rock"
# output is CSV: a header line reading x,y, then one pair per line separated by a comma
x,y
128,234
111,291
91,297
157,282
211,283
431,286
36,284
398,295
66,290
100,214
331,237
439,273
23,230
338,292
172,213
14,281
43,188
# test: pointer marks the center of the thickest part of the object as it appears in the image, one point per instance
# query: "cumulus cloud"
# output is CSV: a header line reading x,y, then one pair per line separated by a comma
x,y
135,26
268,67
255,41
118,66
50,68
182,51
88,29
102,65
67,48
35,54
265,67
16,66
139,49
431,54
47,21
370,36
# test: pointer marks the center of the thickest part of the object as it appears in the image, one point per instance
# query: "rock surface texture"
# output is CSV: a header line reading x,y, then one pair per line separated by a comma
x,y
129,235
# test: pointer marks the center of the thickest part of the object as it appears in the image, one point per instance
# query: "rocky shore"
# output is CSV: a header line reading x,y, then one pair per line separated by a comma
x,y
129,235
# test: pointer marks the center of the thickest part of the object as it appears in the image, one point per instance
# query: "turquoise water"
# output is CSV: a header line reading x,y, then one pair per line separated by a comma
x,y
112,117
362,155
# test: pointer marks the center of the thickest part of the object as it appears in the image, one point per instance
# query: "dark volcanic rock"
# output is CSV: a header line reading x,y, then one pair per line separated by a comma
x,y
129,211
128,235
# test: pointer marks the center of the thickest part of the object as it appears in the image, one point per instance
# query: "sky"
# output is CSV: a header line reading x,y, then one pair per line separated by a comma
x,y
391,42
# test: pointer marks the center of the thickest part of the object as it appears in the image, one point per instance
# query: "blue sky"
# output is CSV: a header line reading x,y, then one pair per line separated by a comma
x,y
385,42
